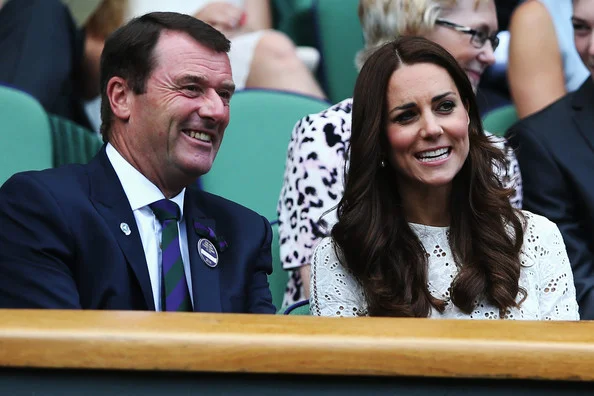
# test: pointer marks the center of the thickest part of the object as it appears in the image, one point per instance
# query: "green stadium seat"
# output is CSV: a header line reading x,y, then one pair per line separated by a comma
x,y
500,120
250,165
339,39
73,144
26,138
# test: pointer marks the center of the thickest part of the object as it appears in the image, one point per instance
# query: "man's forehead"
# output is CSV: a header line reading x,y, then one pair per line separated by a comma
x,y
178,50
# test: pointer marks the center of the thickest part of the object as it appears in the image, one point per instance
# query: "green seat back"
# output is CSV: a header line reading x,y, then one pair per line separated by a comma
x,y
500,120
26,141
73,144
339,38
299,308
279,277
250,164
294,18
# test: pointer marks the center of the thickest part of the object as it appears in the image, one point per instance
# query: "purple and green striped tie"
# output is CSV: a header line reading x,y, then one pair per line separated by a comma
x,y
175,295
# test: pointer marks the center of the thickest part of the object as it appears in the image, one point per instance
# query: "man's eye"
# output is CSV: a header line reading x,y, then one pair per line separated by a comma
x,y
192,88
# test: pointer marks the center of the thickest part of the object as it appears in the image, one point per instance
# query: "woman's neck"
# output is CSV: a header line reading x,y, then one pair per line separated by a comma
x,y
426,205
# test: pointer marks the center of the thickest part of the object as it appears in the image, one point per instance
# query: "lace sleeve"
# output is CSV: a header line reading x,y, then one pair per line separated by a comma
x,y
334,292
557,298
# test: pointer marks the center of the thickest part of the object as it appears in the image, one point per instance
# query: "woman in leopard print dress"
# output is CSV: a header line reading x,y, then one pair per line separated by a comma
x,y
314,173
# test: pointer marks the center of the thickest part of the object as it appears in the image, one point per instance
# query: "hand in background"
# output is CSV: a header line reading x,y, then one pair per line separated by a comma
x,y
223,16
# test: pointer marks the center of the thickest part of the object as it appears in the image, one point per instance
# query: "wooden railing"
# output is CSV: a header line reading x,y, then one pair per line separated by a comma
x,y
296,345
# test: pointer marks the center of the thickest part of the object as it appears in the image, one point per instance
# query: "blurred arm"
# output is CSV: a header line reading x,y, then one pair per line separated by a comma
x,y
535,68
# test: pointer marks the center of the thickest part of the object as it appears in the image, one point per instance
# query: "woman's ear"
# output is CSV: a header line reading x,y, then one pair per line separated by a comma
x,y
118,94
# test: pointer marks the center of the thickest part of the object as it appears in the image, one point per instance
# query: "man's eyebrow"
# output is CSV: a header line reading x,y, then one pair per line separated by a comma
x,y
228,85
191,79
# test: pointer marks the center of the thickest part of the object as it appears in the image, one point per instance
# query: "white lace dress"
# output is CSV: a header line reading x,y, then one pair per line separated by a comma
x,y
545,275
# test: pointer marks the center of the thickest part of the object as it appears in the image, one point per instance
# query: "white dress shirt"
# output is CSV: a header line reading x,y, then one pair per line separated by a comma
x,y
140,193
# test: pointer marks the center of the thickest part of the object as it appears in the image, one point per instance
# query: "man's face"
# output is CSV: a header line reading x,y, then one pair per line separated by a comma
x,y
583,30
176,127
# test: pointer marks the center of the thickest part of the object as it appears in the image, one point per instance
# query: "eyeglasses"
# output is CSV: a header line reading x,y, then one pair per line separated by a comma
x,y
479,37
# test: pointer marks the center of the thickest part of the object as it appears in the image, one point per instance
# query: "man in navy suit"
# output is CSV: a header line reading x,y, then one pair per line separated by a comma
x,y
555,149
91,236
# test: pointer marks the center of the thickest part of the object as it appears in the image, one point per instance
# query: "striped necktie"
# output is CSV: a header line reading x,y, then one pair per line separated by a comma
x,y
174,288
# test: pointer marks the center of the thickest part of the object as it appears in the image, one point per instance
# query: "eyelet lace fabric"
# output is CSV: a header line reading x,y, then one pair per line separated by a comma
x,y
545,275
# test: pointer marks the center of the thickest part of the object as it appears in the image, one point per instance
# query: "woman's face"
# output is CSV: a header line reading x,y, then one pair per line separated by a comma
x,y
583,31
426,126
481,16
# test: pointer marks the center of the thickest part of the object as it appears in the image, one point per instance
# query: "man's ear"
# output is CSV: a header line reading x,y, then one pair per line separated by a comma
x,y
119,95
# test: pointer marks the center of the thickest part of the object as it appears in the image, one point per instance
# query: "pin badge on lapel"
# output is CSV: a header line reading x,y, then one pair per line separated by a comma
x,y
125,229
208,253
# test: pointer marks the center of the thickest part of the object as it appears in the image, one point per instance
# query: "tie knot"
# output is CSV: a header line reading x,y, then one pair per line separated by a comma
x,y
165,209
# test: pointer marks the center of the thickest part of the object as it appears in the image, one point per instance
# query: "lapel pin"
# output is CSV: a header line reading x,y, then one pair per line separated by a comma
x,y
125,228
208,253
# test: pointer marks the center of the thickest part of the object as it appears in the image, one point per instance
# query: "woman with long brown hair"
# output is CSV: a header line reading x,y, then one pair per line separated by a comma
x,y
425,228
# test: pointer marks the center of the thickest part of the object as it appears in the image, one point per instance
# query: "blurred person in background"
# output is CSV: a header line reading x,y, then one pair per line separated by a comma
x,y
260,57
314,172
555,148
46,54
543,63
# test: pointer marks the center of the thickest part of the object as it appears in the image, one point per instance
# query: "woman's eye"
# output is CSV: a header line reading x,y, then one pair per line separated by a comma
x,y
405,117
446,107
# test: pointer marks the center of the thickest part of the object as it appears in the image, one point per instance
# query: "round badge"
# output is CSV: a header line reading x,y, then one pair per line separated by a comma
x,y
125,228
208,253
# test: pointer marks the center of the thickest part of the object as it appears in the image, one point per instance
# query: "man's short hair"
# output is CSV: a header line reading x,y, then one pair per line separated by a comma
x,y
128,52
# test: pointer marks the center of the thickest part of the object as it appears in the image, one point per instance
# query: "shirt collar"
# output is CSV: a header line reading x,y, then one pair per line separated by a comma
x,y
139,190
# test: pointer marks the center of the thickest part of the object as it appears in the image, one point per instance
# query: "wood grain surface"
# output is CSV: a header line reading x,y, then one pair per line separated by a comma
x,y
296,344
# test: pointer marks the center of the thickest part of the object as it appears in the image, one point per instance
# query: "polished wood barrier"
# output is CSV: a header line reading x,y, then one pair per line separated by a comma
x,y
296,345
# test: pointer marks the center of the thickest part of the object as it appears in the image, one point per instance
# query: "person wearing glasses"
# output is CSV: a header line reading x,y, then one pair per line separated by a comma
x,y
313,182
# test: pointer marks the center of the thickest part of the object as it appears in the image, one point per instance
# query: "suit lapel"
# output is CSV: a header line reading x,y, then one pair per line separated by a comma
x,y
108,197
582,103
205,280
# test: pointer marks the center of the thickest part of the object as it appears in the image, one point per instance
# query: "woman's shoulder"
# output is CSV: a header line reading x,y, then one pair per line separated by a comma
x,y
325,251
540,223
540,235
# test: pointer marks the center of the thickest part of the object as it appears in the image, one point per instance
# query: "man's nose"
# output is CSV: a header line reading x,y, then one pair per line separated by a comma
x,y
212,106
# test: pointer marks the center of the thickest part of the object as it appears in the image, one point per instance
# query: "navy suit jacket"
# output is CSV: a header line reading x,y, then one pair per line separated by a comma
x,y
61,246
555,149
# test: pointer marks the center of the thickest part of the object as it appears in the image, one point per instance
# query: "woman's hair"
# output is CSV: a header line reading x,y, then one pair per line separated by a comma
x,y
385,20
377,245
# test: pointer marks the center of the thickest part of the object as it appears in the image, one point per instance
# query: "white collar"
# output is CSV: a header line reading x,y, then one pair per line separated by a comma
x,y
139,190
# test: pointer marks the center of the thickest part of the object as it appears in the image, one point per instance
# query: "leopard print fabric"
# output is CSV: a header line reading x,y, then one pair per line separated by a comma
x,y
314,183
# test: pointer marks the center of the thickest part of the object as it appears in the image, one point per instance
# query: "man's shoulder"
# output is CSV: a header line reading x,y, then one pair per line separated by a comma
x,y
217,206
63,180
548,120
